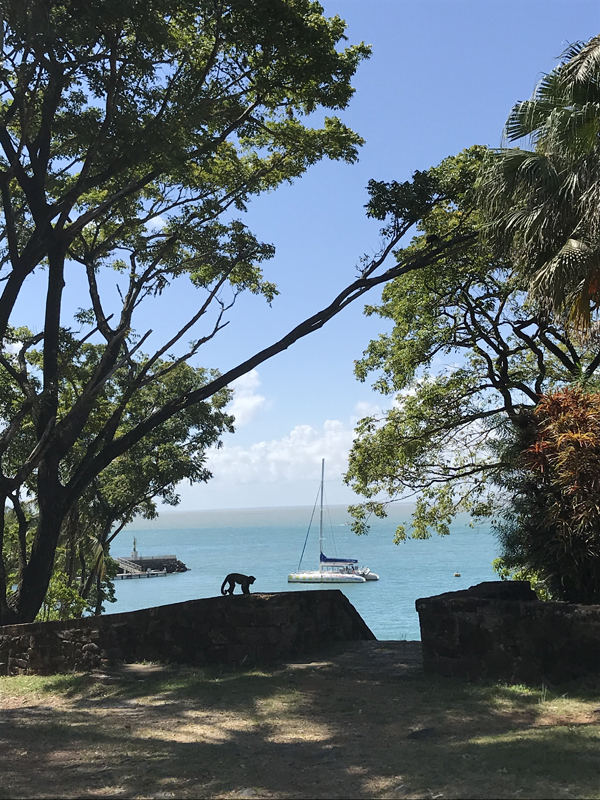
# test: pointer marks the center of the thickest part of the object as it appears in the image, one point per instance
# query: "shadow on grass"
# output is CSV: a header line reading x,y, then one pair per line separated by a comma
x,y
310,733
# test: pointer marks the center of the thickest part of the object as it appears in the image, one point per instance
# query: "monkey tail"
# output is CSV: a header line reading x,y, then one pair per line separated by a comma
x,y
223,586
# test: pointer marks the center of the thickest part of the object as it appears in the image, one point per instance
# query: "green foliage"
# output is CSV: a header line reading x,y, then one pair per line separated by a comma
x,y
542,203
132,483
102,589
466,360
129,133
507,573
551,525
62,601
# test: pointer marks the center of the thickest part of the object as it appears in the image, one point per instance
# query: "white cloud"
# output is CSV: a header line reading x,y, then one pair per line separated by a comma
x,y
246,403
365,409
155,223
296,456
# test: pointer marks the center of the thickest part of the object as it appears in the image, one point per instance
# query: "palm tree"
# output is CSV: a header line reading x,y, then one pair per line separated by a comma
x,y
543,203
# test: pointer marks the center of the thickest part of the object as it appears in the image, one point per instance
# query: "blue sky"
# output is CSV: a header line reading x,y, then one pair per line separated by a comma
x,y
443,76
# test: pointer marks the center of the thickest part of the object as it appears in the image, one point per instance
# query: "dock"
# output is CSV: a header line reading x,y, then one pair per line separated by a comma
x,y
132,570
137,566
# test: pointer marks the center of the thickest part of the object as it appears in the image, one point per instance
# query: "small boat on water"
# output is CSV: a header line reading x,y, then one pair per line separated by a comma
x,y
331,570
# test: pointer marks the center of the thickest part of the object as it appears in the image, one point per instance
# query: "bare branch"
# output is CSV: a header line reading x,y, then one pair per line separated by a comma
x,y
95,461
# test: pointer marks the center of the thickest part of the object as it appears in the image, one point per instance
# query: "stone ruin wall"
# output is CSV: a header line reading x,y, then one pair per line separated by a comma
x,y
500,630
233,629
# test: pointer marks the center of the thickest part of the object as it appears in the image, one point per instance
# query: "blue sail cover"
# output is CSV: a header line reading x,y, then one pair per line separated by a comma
x,y
325,560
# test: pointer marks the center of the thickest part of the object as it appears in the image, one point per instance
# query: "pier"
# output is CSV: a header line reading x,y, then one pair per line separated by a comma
x,y
132,569
129,573
137,566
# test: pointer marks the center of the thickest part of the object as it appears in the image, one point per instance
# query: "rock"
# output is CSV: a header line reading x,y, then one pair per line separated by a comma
x,y
503,590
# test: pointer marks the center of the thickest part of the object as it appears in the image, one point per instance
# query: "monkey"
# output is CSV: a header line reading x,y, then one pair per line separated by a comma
x,y
236,577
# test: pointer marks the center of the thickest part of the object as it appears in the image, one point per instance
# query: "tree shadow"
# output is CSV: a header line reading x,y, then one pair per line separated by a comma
x,y
319,731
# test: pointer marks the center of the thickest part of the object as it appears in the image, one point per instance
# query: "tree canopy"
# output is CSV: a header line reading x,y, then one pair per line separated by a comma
x,y
493,355
127,131
549,529
130,133
466,361
541,202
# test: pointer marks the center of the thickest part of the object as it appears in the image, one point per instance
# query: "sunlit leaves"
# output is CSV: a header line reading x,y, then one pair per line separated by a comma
x,y
542,205
466,359
551,527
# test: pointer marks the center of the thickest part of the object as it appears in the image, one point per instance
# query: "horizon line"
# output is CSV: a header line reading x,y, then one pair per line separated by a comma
x,y
266,508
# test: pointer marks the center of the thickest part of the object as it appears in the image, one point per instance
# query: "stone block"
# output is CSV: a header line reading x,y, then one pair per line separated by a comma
x,y
214,630
488,632
199,627
216,655
269,634
503,590
270,652
147,652
240,652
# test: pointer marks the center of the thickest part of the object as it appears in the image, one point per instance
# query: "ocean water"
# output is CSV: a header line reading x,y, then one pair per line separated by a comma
x,y
268,542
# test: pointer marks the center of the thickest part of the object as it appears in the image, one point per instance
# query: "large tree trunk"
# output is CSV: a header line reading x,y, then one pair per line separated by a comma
x,y
6,613
27,601
71,528
99,595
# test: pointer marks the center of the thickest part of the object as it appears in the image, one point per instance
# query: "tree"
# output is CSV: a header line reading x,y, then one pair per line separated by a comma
x,y
467,360
129,486
132,484
128,134
115,115
542,203
551,526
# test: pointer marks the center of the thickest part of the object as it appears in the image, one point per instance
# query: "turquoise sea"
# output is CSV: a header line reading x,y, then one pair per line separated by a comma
x,y
267,543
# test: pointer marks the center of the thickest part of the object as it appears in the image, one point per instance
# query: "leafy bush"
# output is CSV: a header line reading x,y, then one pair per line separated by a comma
x,y
62,601
552,528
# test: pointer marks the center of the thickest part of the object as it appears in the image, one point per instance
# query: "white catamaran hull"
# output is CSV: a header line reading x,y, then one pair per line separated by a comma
x,y
324,577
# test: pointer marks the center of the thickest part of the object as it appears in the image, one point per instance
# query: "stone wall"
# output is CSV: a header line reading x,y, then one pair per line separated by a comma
x,y
499,630
232,629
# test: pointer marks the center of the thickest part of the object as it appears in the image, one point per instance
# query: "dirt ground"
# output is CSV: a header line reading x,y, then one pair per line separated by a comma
x,y
358,721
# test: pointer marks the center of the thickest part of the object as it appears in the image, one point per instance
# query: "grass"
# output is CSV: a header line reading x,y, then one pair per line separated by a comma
x,y
317,730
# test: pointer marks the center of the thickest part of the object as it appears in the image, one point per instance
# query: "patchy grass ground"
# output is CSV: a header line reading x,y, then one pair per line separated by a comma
x,y
360,722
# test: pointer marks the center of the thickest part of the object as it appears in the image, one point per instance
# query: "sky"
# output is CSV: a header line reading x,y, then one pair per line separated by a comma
x,y
442,77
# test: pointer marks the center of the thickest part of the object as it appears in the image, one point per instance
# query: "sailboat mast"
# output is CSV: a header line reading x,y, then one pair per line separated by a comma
x,y
321,518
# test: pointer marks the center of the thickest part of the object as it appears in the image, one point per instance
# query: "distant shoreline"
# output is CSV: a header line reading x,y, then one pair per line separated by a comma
x,y
266,515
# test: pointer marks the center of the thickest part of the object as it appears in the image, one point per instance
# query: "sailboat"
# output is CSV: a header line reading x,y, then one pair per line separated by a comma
x,y
331,570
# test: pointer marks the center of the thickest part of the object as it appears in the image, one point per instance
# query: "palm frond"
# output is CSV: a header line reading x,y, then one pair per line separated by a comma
x,y
526,118
582,66
542,205
572,50
566,280
570,132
